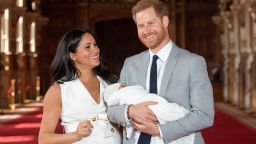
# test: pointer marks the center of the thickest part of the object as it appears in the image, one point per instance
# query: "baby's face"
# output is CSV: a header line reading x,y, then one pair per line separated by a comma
x,y
121,86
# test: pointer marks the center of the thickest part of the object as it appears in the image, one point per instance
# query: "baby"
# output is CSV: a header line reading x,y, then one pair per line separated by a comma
x,y
118,94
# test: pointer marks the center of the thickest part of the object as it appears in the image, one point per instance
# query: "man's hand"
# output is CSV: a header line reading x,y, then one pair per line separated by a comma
x,y
145,126
141,111
143,119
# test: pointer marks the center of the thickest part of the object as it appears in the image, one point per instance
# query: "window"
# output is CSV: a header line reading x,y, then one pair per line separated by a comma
x,y
32,41
19,3
19,37
5,32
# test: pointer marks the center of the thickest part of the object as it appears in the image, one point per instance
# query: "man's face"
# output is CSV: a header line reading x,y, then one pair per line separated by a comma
x,y
151,29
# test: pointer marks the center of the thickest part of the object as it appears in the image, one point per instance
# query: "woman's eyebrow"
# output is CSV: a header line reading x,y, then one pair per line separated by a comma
x,y
84,43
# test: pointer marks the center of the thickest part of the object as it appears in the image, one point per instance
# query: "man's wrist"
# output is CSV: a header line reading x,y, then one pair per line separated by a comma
x,y
128,111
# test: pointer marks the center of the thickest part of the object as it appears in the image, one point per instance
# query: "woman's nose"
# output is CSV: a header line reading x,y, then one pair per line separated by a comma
x,y
95,49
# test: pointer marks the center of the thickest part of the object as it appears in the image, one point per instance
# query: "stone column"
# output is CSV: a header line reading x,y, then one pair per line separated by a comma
x,y
226,44
235,54
248,58
231,69
253,16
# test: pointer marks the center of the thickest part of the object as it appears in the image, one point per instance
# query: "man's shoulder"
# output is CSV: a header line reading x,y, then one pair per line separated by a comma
x,y
187,55
138,56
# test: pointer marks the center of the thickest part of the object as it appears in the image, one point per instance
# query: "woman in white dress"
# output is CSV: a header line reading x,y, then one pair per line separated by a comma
x,y
76,97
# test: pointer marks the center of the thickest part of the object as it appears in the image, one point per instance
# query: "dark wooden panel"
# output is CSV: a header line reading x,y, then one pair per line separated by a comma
x,y
119,40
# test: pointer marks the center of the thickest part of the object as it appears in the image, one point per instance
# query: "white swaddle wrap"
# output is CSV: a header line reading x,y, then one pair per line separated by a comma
x,y
164,111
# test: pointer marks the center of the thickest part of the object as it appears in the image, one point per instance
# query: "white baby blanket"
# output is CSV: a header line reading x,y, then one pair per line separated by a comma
x,y
164,111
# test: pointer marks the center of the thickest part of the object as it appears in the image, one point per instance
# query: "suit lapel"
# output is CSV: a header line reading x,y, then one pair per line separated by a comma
x,y
169,67
143,68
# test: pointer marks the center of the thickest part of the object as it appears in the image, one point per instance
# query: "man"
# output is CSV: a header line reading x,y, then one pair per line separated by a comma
x,y
173,73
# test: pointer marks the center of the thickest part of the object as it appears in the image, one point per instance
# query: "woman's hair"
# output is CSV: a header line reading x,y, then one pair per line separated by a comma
x,y
159,7
63,68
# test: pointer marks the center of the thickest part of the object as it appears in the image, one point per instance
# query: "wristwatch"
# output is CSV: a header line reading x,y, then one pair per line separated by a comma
x,y
128,123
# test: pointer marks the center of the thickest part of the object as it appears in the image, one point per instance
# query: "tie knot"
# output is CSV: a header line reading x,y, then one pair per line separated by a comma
x,y
155,57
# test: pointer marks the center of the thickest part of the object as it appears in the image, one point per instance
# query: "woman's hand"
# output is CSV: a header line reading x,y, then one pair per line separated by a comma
x,y
84,129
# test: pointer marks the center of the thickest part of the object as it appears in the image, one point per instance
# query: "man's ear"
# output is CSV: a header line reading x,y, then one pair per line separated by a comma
x,y
165,21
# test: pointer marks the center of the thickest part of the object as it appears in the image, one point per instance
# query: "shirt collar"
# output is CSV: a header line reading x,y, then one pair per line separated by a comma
x,y
164,52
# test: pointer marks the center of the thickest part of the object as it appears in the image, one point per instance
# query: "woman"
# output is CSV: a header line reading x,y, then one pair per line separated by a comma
x,y
76,97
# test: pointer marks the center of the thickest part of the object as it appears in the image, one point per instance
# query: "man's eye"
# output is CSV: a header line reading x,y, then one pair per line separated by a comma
x,y
140,26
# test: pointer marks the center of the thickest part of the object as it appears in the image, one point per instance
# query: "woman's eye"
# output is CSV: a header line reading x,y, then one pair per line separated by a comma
x,y
87,46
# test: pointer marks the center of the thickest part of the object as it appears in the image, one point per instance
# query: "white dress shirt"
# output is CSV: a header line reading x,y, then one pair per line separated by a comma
x,y
161,62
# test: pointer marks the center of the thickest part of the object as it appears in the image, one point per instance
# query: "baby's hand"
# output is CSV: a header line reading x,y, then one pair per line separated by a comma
x,y
84,129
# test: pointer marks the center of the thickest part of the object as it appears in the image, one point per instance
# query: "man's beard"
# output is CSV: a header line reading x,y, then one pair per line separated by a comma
x,y
158,38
